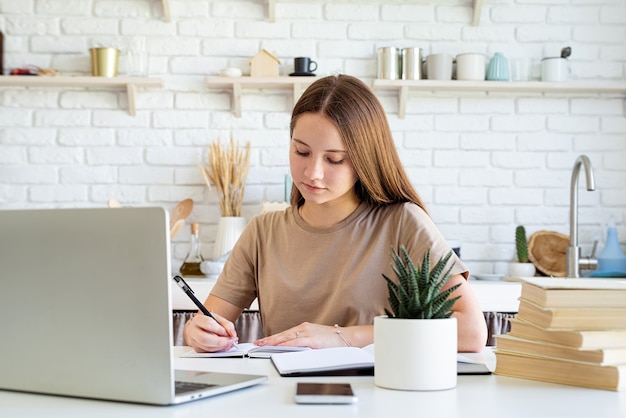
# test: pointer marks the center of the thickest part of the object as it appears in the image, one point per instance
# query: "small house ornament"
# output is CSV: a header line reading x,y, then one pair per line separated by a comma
x,y
264,64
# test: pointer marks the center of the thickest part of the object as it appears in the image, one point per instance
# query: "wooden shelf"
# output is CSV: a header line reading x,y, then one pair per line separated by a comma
x,y
167,16
404,86
236,84
129,83
477,6
271,10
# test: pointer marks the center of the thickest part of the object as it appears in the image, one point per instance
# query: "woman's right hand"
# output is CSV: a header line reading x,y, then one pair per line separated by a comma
x,y
207,335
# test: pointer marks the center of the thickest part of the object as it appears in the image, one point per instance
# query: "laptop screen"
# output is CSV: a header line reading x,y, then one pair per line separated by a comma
x,y
86,300
86,307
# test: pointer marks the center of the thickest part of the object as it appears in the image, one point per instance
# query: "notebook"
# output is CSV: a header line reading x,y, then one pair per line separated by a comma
x,y
86,308
348,361
248,350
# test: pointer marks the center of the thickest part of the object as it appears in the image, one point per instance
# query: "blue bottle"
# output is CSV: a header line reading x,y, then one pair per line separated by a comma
x,y
612,258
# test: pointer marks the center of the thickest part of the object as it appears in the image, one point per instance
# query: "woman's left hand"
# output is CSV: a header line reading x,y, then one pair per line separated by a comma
x,y
307,335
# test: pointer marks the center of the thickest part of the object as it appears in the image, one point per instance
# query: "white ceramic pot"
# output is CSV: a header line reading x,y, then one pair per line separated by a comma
x,y
439,67
471,66
415,354
554,69
229,229
522,269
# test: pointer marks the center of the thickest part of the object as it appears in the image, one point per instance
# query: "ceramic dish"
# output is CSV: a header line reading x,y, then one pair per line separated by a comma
x,y
487,276
230,72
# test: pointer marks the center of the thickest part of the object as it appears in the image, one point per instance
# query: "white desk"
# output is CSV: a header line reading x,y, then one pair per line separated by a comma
x,y
475,396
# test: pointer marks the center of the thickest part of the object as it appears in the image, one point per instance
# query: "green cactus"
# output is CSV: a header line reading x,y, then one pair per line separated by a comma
x,y
417,295
521,245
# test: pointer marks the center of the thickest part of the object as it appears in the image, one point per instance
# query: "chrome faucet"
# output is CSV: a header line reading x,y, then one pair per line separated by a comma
x,y
573,261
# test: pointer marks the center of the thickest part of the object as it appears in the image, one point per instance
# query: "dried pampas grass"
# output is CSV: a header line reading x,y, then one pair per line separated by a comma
x,y
227,170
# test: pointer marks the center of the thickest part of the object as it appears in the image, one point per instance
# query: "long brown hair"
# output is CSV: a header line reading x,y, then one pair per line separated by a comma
x,y
358,115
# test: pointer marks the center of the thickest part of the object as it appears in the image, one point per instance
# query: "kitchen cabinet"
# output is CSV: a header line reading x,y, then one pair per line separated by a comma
x,y
402,87
131,84
295,85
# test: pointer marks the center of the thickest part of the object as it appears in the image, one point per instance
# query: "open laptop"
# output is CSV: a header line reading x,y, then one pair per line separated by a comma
x,y
85,308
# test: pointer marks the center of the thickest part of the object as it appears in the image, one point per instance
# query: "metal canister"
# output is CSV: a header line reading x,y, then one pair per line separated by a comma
x,y
411,63
389,59
104,61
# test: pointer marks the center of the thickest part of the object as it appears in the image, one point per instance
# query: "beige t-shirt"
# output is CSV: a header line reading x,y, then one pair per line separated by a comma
x,y
325,276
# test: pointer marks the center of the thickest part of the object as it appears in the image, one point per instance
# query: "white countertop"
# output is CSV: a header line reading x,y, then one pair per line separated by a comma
x,y
497,296
493,296
201,288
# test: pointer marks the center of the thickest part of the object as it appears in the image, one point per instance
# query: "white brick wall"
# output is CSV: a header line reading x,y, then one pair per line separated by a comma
x,y
484,163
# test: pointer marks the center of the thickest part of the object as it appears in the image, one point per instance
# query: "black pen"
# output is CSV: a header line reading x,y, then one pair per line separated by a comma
x,y
183,285
189,292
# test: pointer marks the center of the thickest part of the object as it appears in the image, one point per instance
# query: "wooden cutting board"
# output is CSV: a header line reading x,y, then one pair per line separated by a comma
x,y
546,249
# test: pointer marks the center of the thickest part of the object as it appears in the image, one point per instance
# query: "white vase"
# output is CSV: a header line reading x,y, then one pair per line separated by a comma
x,y
415,354
522,270
229,229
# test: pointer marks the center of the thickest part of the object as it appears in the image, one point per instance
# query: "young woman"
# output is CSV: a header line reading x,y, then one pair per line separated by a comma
x,y
316,268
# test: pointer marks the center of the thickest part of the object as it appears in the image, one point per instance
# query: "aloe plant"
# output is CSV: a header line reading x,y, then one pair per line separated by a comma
x,y
417,294
521,245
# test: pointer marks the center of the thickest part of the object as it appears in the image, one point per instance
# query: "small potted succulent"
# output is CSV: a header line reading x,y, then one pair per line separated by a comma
x,y
415,344
523,267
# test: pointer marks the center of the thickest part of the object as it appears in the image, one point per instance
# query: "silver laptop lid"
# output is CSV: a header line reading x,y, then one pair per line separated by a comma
x,y
85,303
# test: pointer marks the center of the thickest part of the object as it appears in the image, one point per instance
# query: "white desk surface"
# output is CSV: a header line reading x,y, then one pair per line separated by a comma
x,y
475,396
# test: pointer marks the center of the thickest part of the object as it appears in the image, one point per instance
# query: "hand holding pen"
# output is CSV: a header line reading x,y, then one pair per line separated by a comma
x,y
189,292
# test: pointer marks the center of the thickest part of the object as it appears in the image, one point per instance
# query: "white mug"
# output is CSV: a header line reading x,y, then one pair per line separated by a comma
x,y
471,66
554,69
439,67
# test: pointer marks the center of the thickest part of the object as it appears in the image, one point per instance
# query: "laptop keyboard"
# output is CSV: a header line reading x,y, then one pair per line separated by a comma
x,y
186,387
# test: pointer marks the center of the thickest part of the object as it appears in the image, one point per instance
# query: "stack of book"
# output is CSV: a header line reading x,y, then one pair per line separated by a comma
x,y
568,331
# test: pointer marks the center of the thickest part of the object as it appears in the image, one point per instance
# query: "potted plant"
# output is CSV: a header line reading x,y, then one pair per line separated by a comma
x,y
227,170
415,344
523,267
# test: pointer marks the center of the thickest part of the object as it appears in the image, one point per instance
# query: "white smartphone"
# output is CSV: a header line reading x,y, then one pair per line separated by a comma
x,y
326,393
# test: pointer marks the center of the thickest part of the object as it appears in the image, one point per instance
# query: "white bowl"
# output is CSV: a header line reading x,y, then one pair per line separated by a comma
x,y
211,268
230,72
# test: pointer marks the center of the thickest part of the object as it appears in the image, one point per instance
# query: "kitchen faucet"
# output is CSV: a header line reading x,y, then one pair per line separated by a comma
x,y
573,262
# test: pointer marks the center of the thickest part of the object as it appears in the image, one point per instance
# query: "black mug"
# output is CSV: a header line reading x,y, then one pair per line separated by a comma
x,y
304,65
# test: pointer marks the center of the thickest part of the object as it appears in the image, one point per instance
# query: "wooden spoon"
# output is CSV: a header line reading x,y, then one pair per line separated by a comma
x,y
114,203
176,227
181,211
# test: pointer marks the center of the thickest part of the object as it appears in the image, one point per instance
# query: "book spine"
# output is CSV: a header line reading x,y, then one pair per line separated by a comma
x,y
561,371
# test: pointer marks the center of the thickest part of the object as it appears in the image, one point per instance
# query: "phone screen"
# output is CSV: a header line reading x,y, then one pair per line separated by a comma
x,y
324,393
